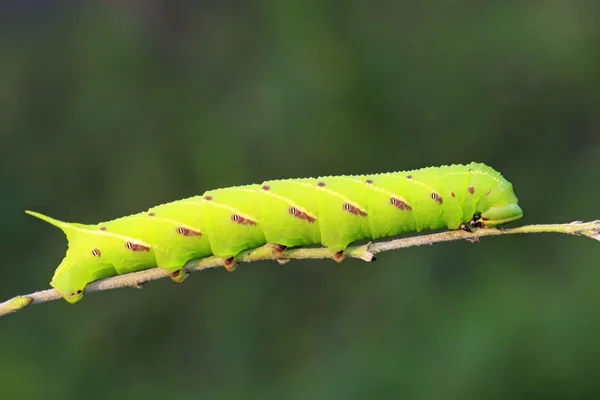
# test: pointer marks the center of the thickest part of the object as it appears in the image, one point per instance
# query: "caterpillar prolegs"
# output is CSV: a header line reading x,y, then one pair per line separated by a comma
x,y
333,211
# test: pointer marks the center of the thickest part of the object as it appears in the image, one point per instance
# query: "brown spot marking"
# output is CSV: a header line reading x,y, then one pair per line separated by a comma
x,y
136,247
437,198
399,204
208,198
471,189
408,176
187,232
151,214
175,274
488,192
266,187
102,228
453,195
354,210
369,181
241,220
321,184
301,215
470,169
96,252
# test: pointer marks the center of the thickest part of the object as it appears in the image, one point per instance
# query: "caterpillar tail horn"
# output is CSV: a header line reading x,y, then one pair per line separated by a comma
x,y
69,228
59,224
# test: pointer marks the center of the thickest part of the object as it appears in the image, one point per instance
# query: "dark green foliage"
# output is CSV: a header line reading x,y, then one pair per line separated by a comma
x,y
109,110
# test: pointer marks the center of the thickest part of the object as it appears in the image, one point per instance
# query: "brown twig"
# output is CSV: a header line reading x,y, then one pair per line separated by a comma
x,y
365,252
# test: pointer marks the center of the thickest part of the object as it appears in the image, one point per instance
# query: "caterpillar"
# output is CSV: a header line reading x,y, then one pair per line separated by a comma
x,y
333,211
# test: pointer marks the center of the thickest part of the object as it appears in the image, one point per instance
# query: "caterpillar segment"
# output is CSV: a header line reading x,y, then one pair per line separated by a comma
x,y
333,211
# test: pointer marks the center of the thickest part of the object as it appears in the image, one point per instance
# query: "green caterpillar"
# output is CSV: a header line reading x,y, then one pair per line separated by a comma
x,y
333,211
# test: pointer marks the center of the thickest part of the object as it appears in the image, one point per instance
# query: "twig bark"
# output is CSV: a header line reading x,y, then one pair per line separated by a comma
x,y
365,252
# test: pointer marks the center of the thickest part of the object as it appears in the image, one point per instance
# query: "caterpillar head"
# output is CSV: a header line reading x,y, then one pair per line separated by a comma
x,y
500,215
498,205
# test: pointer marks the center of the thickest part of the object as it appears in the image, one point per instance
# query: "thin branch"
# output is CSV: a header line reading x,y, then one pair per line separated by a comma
x,y
365,252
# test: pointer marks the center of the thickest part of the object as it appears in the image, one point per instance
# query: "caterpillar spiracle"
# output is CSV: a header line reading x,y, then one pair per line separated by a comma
x,y
332,211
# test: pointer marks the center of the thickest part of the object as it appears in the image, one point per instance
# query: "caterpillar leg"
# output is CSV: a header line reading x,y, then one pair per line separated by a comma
x,y
175,266
339,256
179,276
230,264
472,226
280,249
466,228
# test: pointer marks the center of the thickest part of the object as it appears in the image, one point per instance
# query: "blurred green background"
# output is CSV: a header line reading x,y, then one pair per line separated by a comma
x,y
109,109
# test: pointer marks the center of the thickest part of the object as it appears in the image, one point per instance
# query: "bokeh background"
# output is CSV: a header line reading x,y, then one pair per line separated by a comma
x,y
111,108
